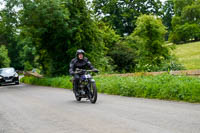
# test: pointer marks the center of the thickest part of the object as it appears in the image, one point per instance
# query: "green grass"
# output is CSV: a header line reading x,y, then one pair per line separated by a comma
x,y
60,82
189,55
169,87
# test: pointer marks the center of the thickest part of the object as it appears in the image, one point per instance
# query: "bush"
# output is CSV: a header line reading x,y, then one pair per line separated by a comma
x,y
123,57
171,64
149,40
27,66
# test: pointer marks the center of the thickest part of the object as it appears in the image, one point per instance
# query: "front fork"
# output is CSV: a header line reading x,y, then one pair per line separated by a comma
x,y
90,94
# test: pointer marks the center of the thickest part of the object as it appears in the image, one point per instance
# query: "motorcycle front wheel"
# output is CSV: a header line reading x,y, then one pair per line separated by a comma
x,y
78,98
93,93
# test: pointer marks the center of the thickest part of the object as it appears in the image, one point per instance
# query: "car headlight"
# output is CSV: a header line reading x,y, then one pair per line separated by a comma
x,y
16,75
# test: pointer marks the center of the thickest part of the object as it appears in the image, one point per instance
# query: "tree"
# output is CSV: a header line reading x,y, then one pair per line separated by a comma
x,y
168,13
4,59
109,36
44,24
28,54
186,22
122,14
149,39
179,5
8,31
57,28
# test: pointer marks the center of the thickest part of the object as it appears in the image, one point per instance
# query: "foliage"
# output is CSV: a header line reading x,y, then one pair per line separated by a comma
x,y
167,15
171,64
42,22
186,21
28,54
179,5
120,51
8,31
123,56
109,36
4,59
149,40
57,29
61,82
122,15
27,66
110,39
164,86
45,34
186,32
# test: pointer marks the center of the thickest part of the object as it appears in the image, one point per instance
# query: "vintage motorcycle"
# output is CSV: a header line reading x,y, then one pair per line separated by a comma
x,y
86,86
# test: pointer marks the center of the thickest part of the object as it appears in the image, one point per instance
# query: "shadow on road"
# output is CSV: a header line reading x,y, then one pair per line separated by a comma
x,y
83,101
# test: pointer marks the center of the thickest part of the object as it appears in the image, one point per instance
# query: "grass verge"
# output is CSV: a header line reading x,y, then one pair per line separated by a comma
x,y
60,82
189,55
169,87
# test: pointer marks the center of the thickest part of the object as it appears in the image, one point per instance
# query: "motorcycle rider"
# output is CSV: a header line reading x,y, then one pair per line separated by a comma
x,y
79,62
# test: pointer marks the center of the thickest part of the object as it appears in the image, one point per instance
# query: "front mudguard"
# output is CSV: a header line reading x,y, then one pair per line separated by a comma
x,y
92,81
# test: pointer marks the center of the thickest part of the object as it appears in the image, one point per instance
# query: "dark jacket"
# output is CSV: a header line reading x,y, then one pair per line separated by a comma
x,y
81,64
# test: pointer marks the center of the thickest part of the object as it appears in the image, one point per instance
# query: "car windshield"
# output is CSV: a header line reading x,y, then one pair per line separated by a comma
x,y
7,70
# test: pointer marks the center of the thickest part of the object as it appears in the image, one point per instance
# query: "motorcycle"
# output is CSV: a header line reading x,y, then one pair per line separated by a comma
x,y
86,86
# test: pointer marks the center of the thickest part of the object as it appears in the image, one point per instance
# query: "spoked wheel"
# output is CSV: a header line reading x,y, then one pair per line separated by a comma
x,y
93,93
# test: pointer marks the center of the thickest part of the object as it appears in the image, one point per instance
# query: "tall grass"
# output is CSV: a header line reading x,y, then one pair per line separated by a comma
x,y
159,87
60,82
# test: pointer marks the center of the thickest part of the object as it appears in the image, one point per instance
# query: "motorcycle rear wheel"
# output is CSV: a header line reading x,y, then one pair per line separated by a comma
x,y
93,93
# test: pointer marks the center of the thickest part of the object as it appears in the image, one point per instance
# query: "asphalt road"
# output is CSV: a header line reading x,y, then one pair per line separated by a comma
x,y
35,109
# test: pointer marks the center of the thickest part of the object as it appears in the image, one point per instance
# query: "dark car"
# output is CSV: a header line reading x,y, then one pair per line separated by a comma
x,y
8,75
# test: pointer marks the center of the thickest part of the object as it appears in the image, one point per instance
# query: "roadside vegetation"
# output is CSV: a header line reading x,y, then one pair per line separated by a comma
x,y
165,86
4,59
117,36
45,34
60,82
189,55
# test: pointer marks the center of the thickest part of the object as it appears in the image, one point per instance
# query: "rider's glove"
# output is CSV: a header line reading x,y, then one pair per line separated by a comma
x,y
82,72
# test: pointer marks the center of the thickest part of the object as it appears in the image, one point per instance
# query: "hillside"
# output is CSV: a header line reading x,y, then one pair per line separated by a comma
x,y
189,55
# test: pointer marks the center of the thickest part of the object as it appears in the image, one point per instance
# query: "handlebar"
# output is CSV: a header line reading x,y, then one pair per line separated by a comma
x,y
78,71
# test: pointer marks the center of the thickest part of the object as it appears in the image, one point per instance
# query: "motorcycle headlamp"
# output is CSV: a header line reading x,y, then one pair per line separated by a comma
x,y
83,77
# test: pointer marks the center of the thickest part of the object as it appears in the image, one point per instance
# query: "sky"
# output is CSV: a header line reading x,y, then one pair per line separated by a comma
x,y
1,4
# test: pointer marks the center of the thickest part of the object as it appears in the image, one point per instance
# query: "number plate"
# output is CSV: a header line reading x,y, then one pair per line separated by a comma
x,y
10,80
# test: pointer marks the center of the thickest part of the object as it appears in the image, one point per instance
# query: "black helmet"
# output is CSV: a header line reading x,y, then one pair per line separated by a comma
x,y
80,51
